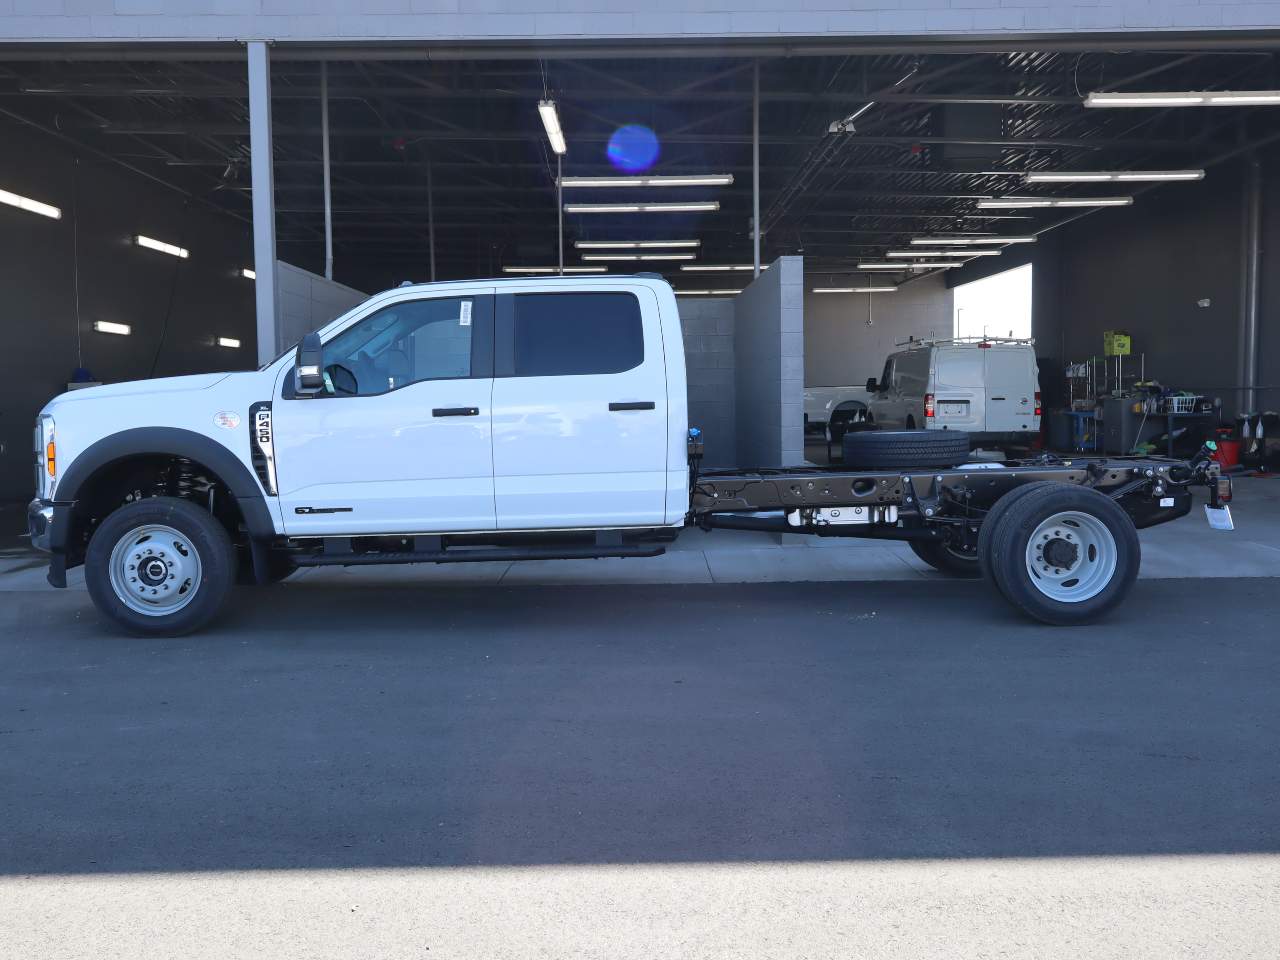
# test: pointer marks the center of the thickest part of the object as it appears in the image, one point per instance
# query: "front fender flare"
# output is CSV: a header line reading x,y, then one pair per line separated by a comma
x,y
171,441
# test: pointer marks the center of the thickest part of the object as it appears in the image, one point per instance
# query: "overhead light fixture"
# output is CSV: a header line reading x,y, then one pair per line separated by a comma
x,y
551,121
107,326
248,274
944,253
695,180
161,247
636,244
638,256
917,265
721,267
708,207
707,293
962,241
1018,203
1112,176
29,205
1188,98
853,289
541,270
230,342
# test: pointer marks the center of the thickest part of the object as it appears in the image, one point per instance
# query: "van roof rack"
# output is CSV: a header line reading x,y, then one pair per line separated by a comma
x,y
960,341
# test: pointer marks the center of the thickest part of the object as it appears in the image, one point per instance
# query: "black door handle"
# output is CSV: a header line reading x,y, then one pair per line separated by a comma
x,y
456,412
634,405
999,398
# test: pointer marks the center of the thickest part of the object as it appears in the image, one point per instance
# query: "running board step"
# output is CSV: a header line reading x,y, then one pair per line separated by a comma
x,y
479,555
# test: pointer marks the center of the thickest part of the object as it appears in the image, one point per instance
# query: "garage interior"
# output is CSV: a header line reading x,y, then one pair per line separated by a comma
x,y
440,167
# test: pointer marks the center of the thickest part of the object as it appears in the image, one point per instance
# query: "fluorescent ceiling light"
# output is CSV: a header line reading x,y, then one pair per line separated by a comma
x,y
161,246
935,265
1016,203
707,207
555,270
854,289
707,293
944,253
961,241
29,205
635,244
695,180
231,342
248,274
721,267
1113,176
551,121
1189,98
638,256
106,326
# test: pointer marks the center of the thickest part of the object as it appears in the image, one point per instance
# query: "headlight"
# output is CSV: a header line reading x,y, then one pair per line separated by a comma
x,y
46,456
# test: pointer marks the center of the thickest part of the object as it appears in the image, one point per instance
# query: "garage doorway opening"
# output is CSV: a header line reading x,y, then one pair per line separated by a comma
x,y
995,306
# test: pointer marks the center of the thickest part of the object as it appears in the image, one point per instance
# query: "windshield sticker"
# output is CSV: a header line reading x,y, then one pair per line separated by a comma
x,y
464,319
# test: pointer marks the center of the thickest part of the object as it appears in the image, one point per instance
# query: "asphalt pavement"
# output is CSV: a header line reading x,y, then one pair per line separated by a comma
x,y
791,770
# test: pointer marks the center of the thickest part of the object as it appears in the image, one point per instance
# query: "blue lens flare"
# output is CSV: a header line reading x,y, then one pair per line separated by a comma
x,y
633,148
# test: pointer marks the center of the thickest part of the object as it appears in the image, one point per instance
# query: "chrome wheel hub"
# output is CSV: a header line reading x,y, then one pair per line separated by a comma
x,y
155,570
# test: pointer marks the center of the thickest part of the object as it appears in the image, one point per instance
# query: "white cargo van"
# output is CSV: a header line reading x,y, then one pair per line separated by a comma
x,y
989,387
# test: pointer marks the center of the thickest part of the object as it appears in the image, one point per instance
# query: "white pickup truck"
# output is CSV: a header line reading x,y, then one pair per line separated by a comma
x,y
522,419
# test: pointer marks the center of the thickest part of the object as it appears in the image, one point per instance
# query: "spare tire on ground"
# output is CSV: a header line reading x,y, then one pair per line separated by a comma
x,y
889,449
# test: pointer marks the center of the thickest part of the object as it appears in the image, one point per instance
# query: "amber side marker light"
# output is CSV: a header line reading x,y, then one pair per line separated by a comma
x,y
51,458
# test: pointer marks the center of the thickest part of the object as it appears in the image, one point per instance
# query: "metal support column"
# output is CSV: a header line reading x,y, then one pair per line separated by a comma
x,y
431,222
324,152
264,198
560,211
1251,281
755,167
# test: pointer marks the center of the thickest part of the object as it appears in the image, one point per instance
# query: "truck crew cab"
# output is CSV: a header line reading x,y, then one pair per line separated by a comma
x,y
517,419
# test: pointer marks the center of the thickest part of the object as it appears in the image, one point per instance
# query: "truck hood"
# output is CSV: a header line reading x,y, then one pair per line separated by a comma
x,y
199,381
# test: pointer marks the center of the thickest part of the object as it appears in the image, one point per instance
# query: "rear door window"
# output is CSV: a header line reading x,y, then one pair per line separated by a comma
x,y
575,334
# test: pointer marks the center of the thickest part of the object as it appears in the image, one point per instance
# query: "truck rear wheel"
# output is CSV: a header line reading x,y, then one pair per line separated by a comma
x,y
160,567
1062,554
892,449
947,557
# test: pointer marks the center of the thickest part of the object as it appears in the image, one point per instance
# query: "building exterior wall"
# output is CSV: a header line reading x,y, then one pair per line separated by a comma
x,y
485,20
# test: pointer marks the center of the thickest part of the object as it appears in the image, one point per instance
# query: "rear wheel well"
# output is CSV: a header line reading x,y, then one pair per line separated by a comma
x,y
139,476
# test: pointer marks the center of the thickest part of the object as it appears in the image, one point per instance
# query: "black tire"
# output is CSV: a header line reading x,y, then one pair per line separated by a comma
x,y
943,556
1010,560
212,546
891,449
993,519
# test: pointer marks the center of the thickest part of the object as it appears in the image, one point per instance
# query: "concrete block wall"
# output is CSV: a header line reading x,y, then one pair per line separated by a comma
x,y
708,324
306,302
423,21
769,366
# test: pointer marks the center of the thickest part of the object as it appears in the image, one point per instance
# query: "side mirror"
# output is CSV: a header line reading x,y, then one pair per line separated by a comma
x,y
308,376
872,386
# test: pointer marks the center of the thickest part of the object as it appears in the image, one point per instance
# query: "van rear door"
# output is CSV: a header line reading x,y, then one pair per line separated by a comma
x,y
1010,388
958,395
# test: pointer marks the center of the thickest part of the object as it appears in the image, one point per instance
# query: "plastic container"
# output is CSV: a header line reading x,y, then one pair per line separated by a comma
x,y
1228,454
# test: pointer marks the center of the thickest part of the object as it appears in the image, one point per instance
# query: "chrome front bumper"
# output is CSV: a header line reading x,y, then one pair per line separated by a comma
x,y
40,524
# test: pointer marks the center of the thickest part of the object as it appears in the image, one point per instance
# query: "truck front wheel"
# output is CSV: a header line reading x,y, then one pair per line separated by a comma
x,y
1062,554
160,567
